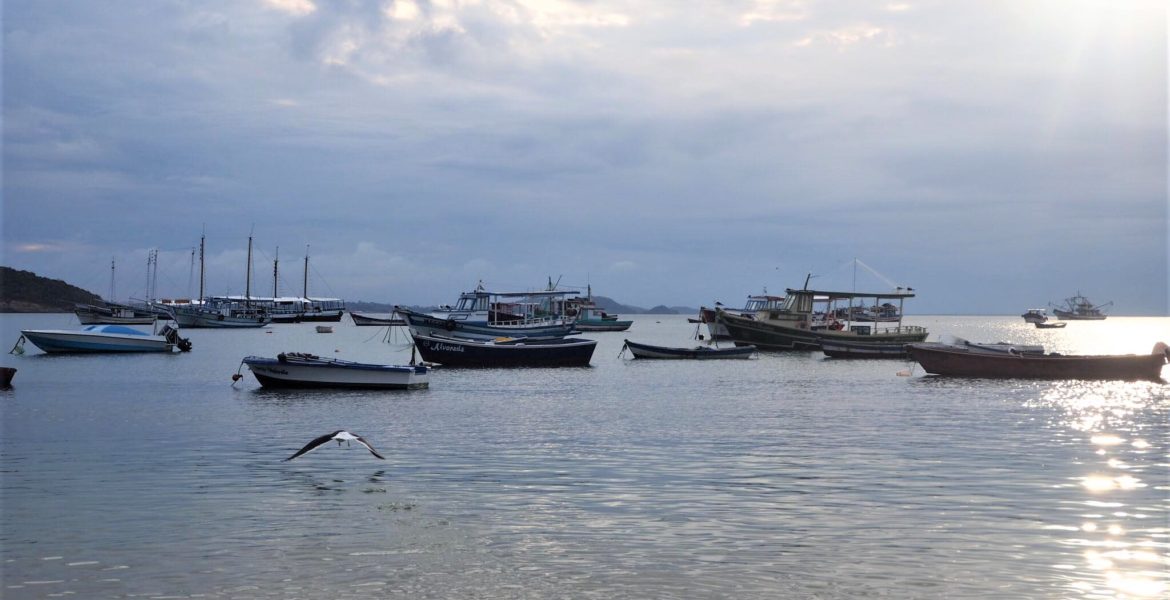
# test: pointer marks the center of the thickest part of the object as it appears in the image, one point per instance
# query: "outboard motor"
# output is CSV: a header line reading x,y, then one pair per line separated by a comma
x,y
172,336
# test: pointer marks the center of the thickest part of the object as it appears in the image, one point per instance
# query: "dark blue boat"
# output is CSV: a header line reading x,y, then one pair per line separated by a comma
x,y
505,352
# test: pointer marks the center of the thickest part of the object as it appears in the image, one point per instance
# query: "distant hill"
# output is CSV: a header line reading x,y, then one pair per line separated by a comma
x,y
609,305
27,292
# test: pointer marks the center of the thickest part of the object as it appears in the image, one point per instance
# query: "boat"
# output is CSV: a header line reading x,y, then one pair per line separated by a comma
x,y
1056,325
1079,308
796,324
848,349
958,361
363,320
324,329
505,352
1035,315
218,313
6,375
754,304
106,338
485,315
698,352
112,313
301,370
587,316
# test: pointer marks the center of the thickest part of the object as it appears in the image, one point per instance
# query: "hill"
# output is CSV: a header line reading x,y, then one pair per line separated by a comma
x,y
25,291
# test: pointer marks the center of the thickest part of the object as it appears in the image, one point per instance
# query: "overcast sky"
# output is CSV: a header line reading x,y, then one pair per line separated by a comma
x,y
993,155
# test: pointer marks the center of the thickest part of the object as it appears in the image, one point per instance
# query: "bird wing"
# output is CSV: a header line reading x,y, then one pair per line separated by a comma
x,y
363,442
313,445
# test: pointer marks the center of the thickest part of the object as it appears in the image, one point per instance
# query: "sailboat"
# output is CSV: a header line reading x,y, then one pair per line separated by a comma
x,y
221,312
114,313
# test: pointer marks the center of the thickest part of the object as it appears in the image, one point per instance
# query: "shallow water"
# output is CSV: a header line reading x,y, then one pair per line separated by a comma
x,y
788,476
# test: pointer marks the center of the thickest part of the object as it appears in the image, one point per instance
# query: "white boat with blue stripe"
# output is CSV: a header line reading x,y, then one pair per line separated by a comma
x,y
301,370
106,338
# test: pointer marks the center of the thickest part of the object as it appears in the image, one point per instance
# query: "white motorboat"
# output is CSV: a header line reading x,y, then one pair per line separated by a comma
x,y
106,338
300,370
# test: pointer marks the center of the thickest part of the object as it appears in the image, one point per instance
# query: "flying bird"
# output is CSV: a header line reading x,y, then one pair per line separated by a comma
x,y
340,435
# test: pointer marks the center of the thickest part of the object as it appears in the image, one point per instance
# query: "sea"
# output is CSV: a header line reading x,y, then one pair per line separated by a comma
x,y
790,475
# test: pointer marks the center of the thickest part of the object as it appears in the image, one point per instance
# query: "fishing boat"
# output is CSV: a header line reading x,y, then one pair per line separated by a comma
x,y
959,361
753,305
105,338
300,370
218,313
835,348
800,322
364,320
1035,315
1079,308
505,352
485,315
696,353
112,313
587,316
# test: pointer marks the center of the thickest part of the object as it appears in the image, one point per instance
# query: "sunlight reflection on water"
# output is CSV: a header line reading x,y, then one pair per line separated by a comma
x,y
1126,547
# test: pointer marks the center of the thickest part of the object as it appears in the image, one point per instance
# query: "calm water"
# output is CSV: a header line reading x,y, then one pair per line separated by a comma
x,y
788,476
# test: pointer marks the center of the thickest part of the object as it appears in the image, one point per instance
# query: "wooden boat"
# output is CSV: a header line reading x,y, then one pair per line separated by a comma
x,y
849,349
220,313
106,338
298,370
504,352
361,320
485,315
753,305
960,361
1056,325
697,353
6,375
797,324
111,313
1035,315
1079,308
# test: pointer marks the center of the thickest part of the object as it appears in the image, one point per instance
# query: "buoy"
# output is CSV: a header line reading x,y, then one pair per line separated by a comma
x,y
237,377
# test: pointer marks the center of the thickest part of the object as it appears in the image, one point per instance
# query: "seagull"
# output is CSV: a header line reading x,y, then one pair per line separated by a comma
x,y
340,435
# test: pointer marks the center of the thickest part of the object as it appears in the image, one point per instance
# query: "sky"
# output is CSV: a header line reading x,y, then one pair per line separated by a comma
x,y
994,155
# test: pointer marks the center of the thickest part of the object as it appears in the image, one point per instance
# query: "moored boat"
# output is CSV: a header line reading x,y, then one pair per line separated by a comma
x,y
1056,325
1079,308
363,320
300,370
959,361
1035,315
112,313
718,331
587,316
485,315
106,338
834,348
797,324
505,352
696,353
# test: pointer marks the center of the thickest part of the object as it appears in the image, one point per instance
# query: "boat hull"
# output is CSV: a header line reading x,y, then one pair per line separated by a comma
x,y
6,375
843,349
197,317
458,352
771,336
695,353
306,371
361,320
56,340
601,325
1071,316
427,325
942,359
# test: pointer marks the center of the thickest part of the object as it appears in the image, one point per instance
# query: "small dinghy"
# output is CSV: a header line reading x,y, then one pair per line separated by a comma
x,y
300,370
695,353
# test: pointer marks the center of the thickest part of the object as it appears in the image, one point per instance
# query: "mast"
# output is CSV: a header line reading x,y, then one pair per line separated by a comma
x,y
248,277
202,241
275,272
305,293
112,296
